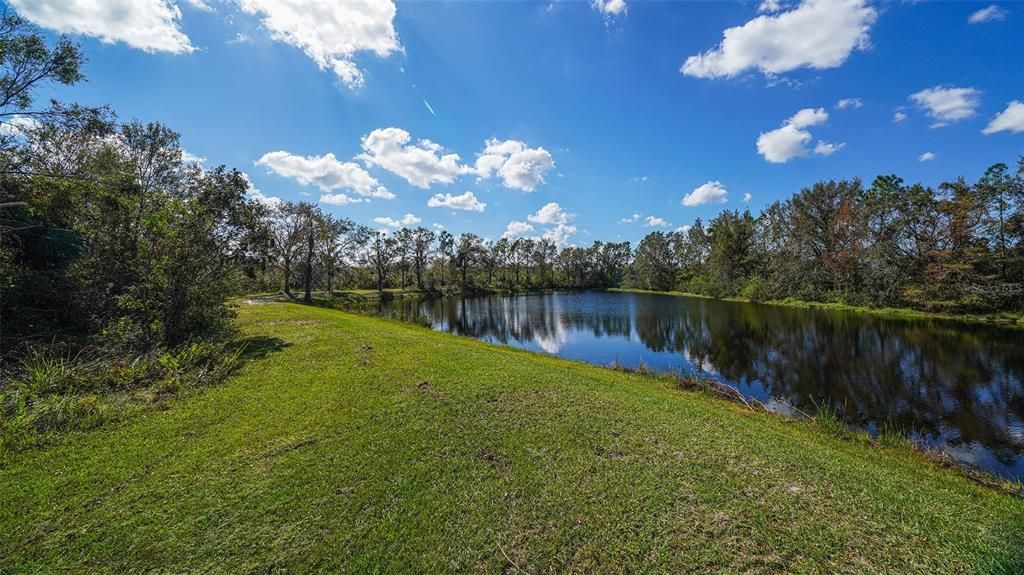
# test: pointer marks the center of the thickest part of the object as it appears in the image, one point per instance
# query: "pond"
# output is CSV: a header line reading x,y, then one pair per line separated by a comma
x,y
954,385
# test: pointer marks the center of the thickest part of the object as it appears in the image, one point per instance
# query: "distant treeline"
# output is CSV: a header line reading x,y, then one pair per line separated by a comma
x,y
958,248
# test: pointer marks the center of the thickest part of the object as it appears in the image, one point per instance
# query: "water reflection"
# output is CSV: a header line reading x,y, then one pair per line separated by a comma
x,y
958,386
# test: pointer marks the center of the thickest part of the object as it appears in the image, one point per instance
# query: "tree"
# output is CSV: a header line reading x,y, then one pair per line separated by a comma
x,y
446,243
731,261
28,63
543,257
652,265
379,256
405,253
467,253
340,239
422,247
286,223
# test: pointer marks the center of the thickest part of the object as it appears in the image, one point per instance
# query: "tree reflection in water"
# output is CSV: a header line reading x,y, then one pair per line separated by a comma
x,y
955,385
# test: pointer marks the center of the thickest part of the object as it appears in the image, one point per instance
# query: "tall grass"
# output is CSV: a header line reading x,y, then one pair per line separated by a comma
x,y
51,391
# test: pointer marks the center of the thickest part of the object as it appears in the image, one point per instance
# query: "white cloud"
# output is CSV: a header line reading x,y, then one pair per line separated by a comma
x,y
609,8
189,158
655,222
847,103
712,192
18,125
516,229
769,6
823,148
466,201
520,167
421,164
639,179
899,116
783,144
339,199
201,5
1011,119
683,228
437,226
255,193
631,219
817,34
747,197
926,157
406,220
149,25
550,214
947,105
326,172
560,234
331,33
992,13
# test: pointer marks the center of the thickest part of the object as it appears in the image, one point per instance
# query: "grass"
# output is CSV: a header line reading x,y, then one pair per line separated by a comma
x,y
365,445
1007,318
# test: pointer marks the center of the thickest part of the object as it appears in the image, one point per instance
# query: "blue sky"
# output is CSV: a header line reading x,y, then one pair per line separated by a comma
x,y
606,109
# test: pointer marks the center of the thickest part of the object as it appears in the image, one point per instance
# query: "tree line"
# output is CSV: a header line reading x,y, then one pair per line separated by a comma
x,y
955,248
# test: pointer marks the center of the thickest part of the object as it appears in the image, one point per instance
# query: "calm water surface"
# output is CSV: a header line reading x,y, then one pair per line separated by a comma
x,y
956,385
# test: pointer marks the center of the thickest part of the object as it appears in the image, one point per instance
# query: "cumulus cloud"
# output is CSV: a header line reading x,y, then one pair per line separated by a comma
x,y
421,164
520,167
326,172
683,228
201,5
631,219
190,158
655,222
466,201
816,34
992,13
712,192
406,220
550,214
790,141
926,157
1009,120
823,148
899,116
256,194
331,33
769,6
609,8
560,234
339,199
17,126
747,197
947,105
847,103
149,25
517,229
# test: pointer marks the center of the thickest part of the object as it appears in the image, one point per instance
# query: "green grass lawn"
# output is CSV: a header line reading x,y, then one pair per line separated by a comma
x,y
363,445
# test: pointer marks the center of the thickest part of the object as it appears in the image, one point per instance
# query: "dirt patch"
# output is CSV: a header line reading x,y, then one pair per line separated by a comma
x,y
496,461
427,388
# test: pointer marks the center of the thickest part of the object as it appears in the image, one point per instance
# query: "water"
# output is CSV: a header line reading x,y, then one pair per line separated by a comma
x,y
953,385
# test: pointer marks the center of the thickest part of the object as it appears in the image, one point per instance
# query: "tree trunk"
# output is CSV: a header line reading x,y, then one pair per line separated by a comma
x,y
309,270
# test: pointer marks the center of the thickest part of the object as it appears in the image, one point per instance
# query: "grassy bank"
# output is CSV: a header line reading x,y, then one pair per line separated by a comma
x,y
1008,318
363,445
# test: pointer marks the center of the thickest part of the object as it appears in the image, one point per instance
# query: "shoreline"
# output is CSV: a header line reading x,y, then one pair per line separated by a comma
x,y
1003,319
